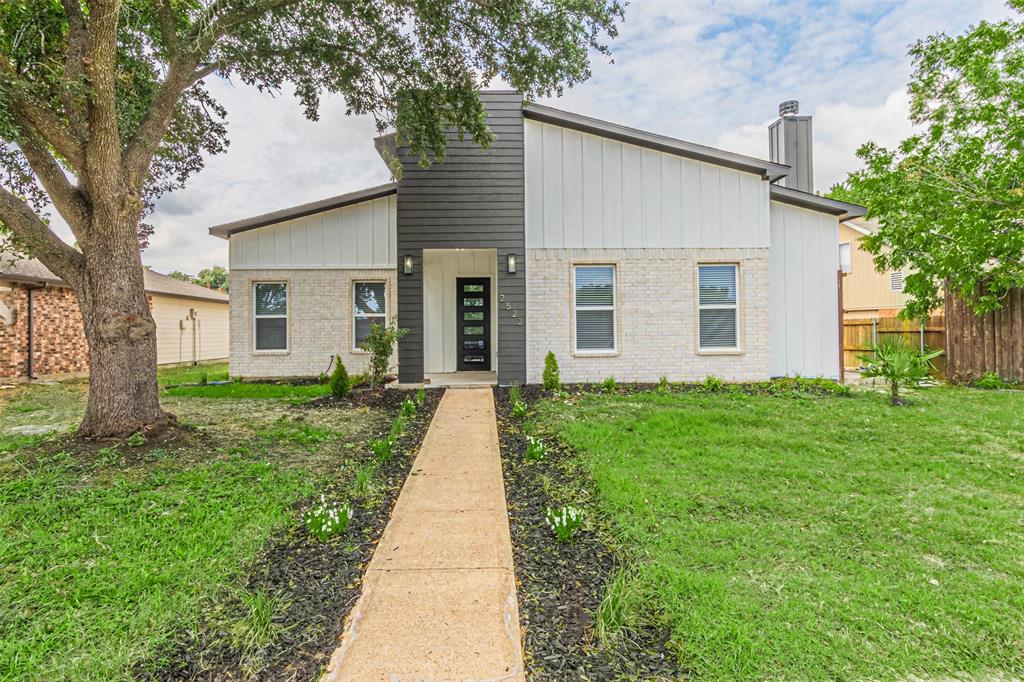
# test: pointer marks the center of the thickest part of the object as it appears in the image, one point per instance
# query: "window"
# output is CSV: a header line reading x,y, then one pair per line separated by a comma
x,y
370,308
717,307
845,257
270,314
896,281
595,308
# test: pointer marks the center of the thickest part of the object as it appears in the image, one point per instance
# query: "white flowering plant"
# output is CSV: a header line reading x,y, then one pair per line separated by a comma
x,y
565,522
535,449
324,521
408,408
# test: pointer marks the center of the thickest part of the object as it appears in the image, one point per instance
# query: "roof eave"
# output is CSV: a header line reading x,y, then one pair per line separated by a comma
x,y
768,170
227,229
841,209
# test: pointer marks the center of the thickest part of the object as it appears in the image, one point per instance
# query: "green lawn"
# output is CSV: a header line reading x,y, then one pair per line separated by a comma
x,y
786,537
213,371
107,553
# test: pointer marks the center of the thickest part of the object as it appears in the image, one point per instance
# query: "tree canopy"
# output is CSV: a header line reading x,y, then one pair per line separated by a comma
x,y
104,107
950,199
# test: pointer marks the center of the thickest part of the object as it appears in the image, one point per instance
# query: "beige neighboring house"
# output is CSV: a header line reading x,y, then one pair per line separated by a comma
x,y
41,326
867,293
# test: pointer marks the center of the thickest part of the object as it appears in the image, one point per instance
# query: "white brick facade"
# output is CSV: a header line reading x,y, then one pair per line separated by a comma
x,y
656,315
320,321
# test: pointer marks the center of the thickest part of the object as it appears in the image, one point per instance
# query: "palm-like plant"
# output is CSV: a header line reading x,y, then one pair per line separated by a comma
x,y
898,364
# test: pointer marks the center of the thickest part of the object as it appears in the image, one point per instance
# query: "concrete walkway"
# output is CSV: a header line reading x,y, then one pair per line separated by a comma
x,y
439,596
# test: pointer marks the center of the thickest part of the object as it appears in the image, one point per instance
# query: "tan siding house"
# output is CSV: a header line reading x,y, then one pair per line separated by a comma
x,y
41,326
867,293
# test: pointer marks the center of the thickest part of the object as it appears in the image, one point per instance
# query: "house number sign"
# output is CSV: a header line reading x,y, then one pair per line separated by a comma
x,y
515,311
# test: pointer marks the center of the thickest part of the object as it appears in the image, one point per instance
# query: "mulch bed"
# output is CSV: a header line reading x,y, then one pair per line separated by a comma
x,y
561,585
318,583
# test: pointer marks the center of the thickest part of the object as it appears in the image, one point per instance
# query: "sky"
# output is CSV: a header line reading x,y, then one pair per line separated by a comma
x,y
706,71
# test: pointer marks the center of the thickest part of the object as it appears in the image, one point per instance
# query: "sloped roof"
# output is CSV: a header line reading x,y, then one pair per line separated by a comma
x,y
815,202
31,270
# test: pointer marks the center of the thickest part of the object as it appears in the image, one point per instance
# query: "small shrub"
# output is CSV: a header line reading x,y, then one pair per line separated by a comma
x,y
991,381
713,384
663,385
552,380
519,409
360,486
898,364
381,344
514,393
421,396
801,385
340,382
408,408
325,521
608,385
204,378
565,522
383,449
536,451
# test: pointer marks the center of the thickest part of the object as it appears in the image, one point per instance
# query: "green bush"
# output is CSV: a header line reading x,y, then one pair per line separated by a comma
x,y
991,381
551,378
608,385
713,384
408,408
381,344
898,365
663,386
340,382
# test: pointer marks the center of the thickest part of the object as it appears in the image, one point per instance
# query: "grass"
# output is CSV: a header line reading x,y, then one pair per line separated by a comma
x,y
786,537
107,553
244,390
214,371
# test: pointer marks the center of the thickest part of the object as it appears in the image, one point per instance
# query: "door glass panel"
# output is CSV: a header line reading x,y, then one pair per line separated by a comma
x,y
473,302
473,359
473,317
473,288
473,345
473,331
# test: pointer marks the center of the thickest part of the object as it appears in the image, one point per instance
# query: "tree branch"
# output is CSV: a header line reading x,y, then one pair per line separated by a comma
x,y
74,54
30,230
103,147
165,17
42,120
66,198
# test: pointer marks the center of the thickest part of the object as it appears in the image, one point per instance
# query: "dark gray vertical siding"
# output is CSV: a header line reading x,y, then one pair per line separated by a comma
x,y
790,141
473,200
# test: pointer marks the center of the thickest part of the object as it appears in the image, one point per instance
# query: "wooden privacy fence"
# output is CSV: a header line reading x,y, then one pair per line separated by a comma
x,y
990,343
860,335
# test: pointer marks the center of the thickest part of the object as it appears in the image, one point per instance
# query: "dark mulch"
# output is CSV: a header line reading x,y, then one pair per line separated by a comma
x,y
316,583
560,586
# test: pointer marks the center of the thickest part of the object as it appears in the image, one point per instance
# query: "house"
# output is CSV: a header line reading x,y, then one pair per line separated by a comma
x,y
867,293
626,253
41,331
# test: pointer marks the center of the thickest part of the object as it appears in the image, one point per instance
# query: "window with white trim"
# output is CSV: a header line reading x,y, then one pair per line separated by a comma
x,y
270,316
369,308
846,257
718,309
594,307
896,281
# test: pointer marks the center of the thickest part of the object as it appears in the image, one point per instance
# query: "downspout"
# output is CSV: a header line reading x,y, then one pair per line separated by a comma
x,y
29,303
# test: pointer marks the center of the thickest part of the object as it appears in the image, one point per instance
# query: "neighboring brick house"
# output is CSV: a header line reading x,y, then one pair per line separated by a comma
x,y
626,253
37,307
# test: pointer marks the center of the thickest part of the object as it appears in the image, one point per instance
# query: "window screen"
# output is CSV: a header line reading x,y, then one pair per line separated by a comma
x,y
718,306
270,315
370,308
595,307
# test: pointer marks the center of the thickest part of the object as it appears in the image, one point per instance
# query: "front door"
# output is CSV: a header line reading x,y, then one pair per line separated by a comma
x,y
474,322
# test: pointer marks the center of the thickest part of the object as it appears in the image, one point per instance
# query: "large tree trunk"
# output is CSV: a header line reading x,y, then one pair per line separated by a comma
x,y
123,394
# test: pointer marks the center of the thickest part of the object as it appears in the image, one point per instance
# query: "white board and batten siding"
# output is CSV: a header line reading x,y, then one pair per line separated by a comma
x,y
802,262
362,235
585,191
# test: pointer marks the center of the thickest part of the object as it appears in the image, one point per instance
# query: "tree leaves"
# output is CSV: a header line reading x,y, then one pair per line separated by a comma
x,y
950,199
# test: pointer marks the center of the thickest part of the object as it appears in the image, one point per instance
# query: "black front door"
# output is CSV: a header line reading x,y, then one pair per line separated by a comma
x,y
474,322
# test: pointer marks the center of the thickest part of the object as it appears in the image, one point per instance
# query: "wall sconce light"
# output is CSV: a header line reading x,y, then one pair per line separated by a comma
x,y
511,263
407,264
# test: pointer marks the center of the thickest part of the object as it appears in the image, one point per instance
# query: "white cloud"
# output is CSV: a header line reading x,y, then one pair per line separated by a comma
x,y
711,72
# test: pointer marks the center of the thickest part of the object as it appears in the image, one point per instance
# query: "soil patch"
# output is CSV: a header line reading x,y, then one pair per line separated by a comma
x,y
560,586
309,586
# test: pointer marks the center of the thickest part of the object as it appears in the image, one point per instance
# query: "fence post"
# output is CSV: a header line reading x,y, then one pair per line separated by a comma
x,y
922,337
874,333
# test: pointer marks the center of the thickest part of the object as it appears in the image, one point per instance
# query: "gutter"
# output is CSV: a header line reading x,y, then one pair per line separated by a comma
x,y
29,302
